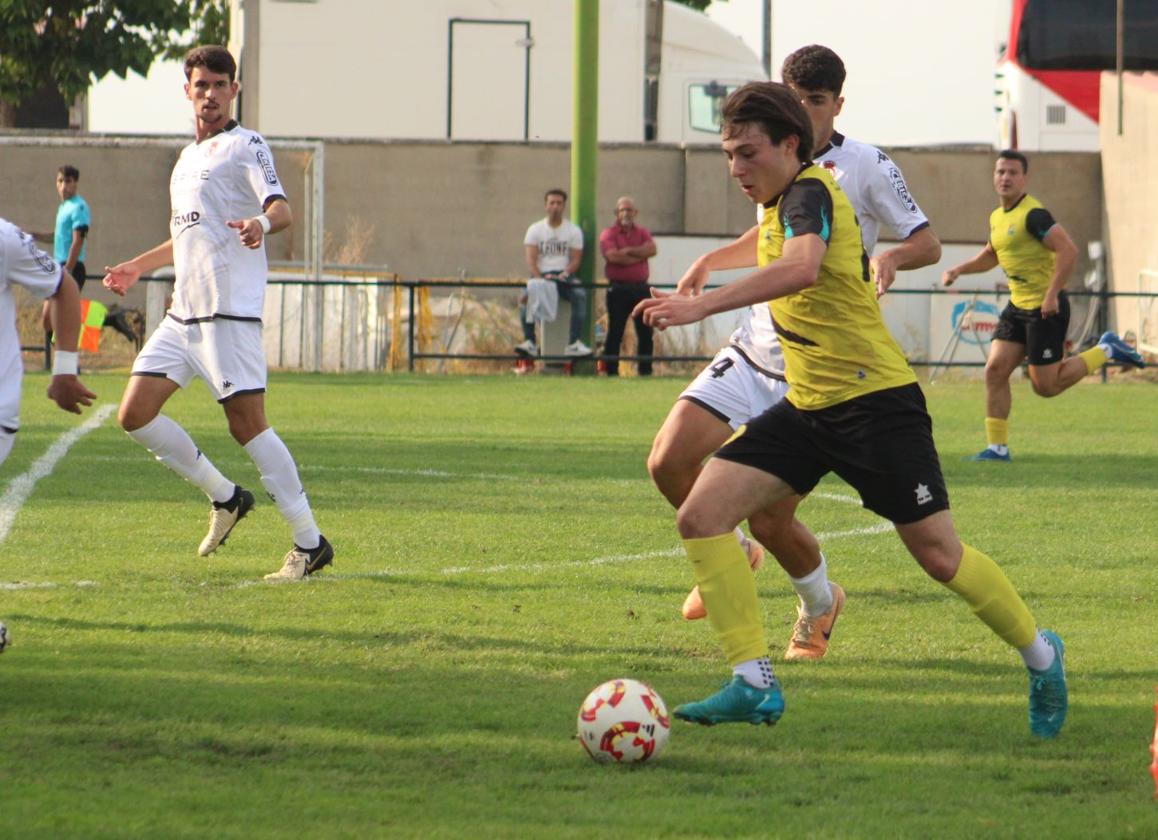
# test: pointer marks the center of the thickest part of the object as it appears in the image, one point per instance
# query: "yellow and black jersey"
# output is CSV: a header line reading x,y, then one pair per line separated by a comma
x,y
1016,235
836,345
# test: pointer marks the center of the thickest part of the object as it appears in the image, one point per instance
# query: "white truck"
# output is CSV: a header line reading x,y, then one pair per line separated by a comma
x,y
480,69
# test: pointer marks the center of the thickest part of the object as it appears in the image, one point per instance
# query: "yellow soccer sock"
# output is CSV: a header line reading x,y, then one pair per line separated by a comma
x,y
996,431
729,592
993,599
1094,358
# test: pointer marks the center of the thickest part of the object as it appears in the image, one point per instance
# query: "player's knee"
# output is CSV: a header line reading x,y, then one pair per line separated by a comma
x,y
131,417
694,523
1046,387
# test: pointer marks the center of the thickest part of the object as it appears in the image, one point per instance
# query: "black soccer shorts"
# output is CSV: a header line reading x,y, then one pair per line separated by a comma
x,y
880,443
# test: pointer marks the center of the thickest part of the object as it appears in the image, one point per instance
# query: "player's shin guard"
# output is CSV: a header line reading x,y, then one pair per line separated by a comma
x,y
279,477
172,446
729,592
993,599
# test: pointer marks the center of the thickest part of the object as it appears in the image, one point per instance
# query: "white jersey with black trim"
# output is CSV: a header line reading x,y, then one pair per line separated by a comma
x,y
21,264
879,195
224,177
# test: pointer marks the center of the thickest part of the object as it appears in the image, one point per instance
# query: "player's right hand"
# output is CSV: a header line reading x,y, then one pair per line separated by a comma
x,y
121,277
68,392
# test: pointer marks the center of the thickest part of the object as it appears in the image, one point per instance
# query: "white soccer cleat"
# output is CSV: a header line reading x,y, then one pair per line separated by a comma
x,y
222,517
577,348
527,348
301,562
5,639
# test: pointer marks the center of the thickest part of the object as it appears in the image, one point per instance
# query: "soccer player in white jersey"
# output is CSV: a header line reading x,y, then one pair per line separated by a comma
x,y
226,198
23,264
747,377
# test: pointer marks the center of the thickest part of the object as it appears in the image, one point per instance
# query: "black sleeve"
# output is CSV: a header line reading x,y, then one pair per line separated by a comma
x,y
1038,221
806,207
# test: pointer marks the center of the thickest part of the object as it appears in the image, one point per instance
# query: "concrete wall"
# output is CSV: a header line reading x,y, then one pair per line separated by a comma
x,y
430,209
1131,194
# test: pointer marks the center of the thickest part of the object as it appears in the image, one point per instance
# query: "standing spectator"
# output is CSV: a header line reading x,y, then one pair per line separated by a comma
x,y
554,250
627,247
226,199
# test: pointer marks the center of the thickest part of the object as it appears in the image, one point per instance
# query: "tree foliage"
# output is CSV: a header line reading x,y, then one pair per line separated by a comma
x,y
68,44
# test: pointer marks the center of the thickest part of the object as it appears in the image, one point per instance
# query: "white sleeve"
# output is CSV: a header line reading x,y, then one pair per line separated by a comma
x,y
256,161
25,264
576,236
531,237
889,198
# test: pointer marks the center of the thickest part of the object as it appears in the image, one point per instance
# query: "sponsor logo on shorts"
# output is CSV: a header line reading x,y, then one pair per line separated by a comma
x,y
923,494
226,385
267,167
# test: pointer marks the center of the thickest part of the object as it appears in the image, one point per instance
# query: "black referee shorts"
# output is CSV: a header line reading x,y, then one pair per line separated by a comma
x,y
880,443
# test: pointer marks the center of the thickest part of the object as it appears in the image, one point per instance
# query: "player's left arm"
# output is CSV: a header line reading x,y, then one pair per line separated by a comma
x,y
65,389
1058,241
891,203
78,235
922,248
277,215
795,270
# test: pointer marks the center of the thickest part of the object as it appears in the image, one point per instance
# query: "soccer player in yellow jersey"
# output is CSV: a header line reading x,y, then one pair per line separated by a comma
x,y
1037,256
853,408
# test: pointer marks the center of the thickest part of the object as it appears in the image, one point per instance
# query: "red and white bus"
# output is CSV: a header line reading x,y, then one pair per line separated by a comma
x,y
1048,78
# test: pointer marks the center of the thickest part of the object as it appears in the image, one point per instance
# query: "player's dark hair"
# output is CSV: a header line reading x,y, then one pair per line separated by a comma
x,y
555,191
213,58
70,172
773,107
814,68
1010,154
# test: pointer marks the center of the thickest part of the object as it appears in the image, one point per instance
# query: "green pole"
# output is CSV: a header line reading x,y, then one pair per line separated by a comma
x,y
585,142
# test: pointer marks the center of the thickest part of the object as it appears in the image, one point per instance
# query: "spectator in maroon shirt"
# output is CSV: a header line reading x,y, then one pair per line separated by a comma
x,y
627,247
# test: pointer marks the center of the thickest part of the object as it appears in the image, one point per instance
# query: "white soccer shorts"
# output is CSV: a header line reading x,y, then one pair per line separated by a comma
x,y
733,390
227,354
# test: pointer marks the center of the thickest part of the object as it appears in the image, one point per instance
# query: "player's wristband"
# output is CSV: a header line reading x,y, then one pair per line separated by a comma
x,y
64,363
265,223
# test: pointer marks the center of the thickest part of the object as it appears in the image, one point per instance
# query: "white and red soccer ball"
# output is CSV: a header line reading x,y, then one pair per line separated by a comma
x,y
623,721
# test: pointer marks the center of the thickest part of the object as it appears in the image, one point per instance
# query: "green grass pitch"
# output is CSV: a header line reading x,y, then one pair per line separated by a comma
x,y
500,551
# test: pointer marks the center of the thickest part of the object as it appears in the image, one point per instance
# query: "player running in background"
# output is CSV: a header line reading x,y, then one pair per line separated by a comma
x,y
23,264
226,198
1037,256
854,408
747,377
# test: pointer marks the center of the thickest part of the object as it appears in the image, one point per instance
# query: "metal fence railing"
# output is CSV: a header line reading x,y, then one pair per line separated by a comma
x,y
362,318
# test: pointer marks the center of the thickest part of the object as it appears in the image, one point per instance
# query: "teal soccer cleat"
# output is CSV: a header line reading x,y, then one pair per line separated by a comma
x,y
1048,694
736,702
988,454
1120,351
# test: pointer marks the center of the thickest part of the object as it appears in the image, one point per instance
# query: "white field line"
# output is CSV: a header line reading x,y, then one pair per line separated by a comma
x,y
20,488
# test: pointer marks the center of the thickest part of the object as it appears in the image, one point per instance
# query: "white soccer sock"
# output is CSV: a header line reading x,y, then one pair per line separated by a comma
x,y
813,589
279,476
756,672
172,446
999,448
1039,655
